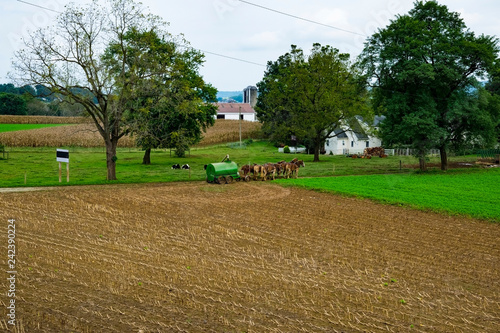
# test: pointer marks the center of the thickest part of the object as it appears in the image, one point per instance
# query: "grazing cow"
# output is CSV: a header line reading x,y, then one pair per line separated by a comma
x,y
176,166
185,167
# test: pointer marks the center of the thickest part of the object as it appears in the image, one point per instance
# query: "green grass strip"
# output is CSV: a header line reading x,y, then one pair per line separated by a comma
x,y
474,193
22,127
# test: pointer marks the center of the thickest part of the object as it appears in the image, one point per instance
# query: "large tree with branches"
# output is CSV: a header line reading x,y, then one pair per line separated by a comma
x,y
424,67
72,59
310,97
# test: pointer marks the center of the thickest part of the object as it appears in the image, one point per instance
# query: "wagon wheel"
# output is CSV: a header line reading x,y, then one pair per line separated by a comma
x,y
247,178
229,179
221,180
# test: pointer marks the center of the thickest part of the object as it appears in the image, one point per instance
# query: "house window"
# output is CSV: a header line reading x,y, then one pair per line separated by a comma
x,y
221,116
328,143
352,143
241,117
343,142
367,144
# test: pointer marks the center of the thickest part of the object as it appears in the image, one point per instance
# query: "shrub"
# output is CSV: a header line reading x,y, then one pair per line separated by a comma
x,y
286,150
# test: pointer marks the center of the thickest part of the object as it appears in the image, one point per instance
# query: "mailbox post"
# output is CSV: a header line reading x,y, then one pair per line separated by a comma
x,y
63,157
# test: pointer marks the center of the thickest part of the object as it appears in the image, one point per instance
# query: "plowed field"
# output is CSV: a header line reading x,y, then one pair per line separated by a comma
x,y
245,257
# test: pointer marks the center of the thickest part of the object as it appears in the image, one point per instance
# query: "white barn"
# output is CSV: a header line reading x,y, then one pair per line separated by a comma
x,y
236,111
354,141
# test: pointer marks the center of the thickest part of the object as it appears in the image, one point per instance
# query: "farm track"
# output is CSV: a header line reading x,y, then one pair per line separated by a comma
x,y
253,257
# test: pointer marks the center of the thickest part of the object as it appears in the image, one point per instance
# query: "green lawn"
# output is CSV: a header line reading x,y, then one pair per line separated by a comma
x,y
473,192
467,192
88,166
21,127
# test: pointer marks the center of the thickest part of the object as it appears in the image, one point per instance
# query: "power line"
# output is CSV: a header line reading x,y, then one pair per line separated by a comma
x,y
35,5
223,56
185,46
301,18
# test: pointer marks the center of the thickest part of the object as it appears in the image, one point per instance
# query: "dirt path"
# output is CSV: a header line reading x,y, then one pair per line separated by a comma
x,y
24,189
246,257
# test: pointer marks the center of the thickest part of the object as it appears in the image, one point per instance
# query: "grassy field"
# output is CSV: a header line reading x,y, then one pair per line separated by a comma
x,y
24,127
469,192
88,166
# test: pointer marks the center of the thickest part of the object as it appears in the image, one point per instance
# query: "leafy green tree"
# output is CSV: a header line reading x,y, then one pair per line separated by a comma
x,y
69,59
173,105
423,67
12,104
310,97
9,88
493,88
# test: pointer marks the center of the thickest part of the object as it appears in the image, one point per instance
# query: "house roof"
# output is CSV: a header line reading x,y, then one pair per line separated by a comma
x,y
341,134
235,108
376,120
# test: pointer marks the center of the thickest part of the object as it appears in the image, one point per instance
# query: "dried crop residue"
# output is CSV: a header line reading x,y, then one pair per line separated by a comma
x,y
86,134
246,257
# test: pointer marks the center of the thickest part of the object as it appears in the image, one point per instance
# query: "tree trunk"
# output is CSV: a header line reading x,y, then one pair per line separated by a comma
x,y
111,159
444,158
422,161
316,152
147,157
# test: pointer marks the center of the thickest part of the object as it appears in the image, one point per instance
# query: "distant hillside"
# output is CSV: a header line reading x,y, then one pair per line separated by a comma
x,y
225,96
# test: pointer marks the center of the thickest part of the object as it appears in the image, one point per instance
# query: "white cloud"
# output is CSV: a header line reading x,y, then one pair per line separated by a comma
x,y
239,30
263,40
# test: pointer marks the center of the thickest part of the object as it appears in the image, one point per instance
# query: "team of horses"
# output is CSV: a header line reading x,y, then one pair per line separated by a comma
x,y
270,171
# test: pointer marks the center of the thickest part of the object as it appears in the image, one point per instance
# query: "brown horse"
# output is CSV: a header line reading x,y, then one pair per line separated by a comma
x,y
279,168
245,170
269,169
257,170
294,167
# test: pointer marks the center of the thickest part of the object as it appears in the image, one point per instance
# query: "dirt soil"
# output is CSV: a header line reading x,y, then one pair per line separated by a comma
x,y
245,257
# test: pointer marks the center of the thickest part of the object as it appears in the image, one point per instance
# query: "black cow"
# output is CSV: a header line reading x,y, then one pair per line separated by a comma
x,y
185,167
176,166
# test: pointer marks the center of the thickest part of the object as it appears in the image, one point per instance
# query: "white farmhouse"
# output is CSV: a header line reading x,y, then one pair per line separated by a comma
x,y
236,111
243,111
355,140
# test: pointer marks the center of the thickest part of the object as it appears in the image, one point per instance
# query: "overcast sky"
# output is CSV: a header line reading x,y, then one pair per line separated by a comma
x,y
236,29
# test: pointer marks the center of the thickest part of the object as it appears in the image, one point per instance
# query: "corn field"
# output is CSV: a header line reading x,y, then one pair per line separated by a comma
x,y
85,135
41,120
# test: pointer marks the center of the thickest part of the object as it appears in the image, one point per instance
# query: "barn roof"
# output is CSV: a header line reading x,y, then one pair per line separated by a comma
x,y
235,108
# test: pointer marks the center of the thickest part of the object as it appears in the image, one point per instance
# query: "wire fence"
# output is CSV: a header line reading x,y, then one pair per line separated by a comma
x,y
488,153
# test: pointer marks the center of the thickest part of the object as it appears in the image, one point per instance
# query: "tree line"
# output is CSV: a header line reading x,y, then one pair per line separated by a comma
x,y
35,100
130,76
423,73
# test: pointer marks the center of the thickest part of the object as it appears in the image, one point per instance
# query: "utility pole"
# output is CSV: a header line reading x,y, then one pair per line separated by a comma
x,y
239,116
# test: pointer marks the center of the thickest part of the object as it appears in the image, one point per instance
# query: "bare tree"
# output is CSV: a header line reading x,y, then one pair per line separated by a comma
x,y
68,59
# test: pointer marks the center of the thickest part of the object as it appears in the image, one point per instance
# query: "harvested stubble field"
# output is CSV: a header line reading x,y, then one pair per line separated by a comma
x,y
246,257
86,135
